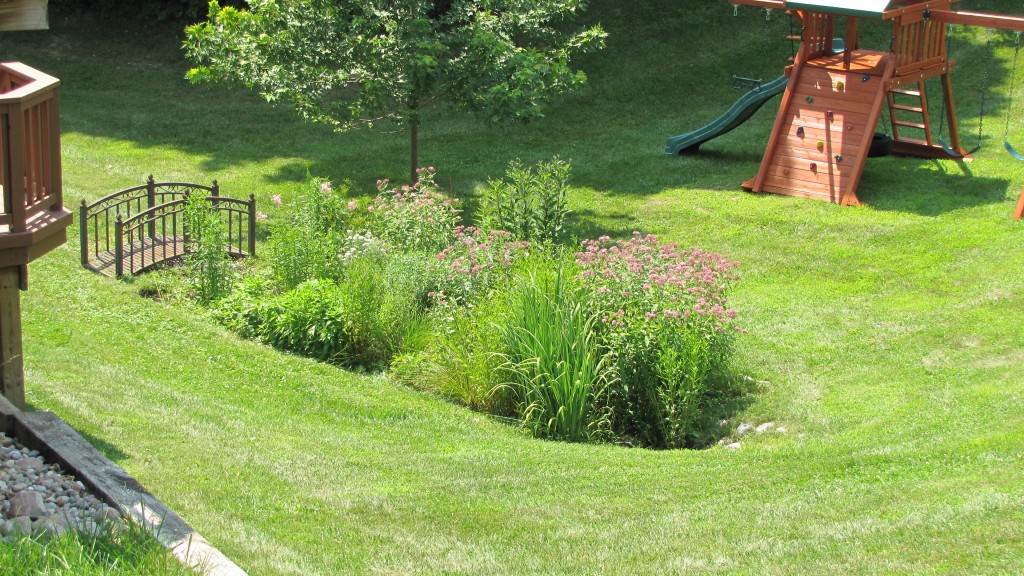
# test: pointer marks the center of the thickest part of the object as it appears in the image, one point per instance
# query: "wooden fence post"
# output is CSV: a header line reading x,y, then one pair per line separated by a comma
x,y
12,368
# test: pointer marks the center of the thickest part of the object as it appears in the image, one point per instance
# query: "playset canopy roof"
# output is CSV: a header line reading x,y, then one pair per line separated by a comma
x,y
859,8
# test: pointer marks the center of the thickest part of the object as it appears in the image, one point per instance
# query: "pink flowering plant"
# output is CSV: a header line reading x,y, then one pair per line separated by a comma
x,y
475,263
417,217
664,314
306,243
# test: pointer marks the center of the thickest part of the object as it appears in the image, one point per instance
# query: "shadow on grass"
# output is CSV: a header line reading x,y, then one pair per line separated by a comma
x,y
113,453
929,187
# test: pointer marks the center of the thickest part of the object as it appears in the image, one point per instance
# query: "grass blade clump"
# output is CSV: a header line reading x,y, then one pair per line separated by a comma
x,y
553,362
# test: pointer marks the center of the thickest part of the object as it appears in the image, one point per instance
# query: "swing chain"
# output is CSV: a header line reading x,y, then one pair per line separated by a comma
x,y
986,81
1013,86
767,14
735,9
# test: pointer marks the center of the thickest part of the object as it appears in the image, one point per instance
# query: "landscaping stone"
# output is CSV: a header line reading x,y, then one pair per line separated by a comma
x,y
744,428
53,525
21,525
766,427
733,446
27,503
37,497
781,430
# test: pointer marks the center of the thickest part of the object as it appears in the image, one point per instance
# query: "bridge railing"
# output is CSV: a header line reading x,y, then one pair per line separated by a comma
x,y
136,228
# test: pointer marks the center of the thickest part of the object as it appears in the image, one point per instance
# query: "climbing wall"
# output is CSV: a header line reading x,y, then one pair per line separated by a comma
x,y
823,133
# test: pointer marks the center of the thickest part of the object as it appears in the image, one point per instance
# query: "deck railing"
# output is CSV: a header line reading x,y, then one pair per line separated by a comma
x,y
29,146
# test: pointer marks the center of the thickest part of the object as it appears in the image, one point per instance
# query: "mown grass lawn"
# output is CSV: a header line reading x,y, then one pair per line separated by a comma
x,y
889,337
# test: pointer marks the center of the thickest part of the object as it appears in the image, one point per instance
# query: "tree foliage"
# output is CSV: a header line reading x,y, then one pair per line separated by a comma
x,y
352,62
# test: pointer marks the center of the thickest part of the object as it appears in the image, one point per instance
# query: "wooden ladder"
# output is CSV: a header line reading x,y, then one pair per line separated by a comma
x,y
913,104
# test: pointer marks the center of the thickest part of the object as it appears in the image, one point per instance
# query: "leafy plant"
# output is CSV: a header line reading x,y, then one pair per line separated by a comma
x,y
311,240
530,202
475,263
205,257
665,320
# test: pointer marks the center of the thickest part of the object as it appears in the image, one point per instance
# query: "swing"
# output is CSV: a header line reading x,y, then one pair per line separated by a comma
x,y
1013,89
981,114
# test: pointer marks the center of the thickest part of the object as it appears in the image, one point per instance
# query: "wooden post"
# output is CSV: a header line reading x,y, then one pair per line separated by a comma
x,y
12,370
954,130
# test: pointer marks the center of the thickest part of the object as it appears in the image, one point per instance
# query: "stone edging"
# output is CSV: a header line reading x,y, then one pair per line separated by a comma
x,y
58,442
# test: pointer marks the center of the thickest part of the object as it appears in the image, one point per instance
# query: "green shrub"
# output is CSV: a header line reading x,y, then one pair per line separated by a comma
x,y
553,362
530,202
665,320
206,260
309,243
418,217
363,319
460,362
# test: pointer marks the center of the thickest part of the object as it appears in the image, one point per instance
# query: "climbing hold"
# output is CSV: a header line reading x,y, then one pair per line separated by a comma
x,y
785,172
821,146
839,157
831,116
800,132
814,167
866,78
840,85
810,99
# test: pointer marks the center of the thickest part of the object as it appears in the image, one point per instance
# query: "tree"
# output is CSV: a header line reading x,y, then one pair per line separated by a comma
x,y
352,62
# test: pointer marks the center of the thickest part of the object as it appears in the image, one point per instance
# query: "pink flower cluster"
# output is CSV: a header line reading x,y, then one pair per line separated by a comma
x,y
475,261
643,279
414,217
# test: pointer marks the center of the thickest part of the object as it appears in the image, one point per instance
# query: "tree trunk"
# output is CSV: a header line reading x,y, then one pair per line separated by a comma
x,y
414,138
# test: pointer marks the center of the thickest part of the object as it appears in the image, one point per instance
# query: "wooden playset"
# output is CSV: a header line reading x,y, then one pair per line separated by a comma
x,y
835,99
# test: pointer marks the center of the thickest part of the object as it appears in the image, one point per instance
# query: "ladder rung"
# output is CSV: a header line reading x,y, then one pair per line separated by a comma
x,y
916,93
917,109
910,124
917,141
794,38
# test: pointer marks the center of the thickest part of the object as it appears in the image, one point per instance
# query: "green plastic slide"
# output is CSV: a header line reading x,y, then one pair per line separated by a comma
x,y
739,113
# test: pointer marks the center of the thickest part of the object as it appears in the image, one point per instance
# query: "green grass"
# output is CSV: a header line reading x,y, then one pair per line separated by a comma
x,y
888,337
131,551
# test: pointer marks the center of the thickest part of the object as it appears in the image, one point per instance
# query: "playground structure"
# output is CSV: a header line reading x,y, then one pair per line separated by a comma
x,y
136,229
33,220
834,99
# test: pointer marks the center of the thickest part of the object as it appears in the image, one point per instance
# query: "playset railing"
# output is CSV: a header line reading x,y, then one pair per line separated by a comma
x,y
137,228
29,146
918,44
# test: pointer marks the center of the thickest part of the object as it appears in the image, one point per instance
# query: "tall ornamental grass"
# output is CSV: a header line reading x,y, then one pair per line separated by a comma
x,y
553,361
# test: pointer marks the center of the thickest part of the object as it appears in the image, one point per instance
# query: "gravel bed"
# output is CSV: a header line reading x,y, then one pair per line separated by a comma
x,y
37,497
